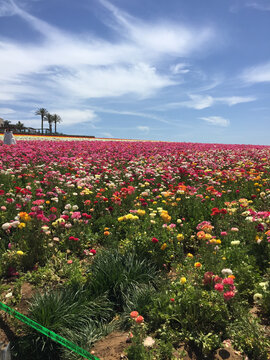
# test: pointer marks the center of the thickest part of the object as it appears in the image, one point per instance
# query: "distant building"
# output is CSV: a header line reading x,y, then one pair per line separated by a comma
x,y
1,122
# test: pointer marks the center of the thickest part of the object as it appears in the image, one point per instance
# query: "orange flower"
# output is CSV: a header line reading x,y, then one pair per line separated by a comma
x,y
201,234
134,314
197,264
139,319
106,233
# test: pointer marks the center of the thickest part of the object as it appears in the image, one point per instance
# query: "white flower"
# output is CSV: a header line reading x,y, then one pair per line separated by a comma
x,y
15,224
264,285
235,242
226,272
257,297
6,226
148,341
67,207
75,207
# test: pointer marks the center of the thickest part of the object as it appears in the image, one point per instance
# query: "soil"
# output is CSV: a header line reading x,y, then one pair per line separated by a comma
x,y
113,346
6,329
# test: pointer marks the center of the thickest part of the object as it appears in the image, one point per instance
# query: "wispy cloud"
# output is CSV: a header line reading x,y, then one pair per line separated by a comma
x,y
259,5
143,128
257,74
180,68
91,67
199,102
164,37
131,113
75,116
234,100
216,120
6,111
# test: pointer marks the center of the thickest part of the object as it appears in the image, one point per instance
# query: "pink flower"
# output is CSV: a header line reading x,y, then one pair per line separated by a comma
x,y
69,261
228,295
228,281
93,251
76,215
223,233
219,287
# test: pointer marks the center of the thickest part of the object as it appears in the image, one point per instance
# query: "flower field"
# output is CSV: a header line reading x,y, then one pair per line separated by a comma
x,y
177,234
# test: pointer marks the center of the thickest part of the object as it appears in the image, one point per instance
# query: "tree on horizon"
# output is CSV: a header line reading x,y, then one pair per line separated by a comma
x,y
43,113
19,126
56,119
49,118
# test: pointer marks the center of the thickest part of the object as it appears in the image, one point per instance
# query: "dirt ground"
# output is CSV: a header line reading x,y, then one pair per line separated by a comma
x,y
113,346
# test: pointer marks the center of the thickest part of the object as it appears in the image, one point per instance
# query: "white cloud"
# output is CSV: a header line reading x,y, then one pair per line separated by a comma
x,y
74,116
143,128
179,68
199,102
90,67
7,8
141,80
6,111
257,74
105,134
258,6
234,100
131,113
216,120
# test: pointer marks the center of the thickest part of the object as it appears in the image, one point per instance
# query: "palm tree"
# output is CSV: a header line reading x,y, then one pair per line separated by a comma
x,y
43,113
19,126
49,118
7,123
56,119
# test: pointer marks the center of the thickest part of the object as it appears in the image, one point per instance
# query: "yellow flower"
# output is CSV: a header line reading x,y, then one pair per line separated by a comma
x,y
180,237
48,202
163,247
207,237
21,225
183,280
197,264
121,218
141,212
19,252
189,255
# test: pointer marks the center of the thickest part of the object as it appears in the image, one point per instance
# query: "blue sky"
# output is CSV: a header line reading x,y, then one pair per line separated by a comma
x,y
177,70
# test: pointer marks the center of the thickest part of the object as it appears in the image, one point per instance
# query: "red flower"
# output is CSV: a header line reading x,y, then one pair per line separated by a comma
x,y
93,251
208,278
154,240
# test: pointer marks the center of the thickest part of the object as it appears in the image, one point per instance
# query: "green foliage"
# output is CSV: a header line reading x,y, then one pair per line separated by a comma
x,y
115,273
247,336
69,313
